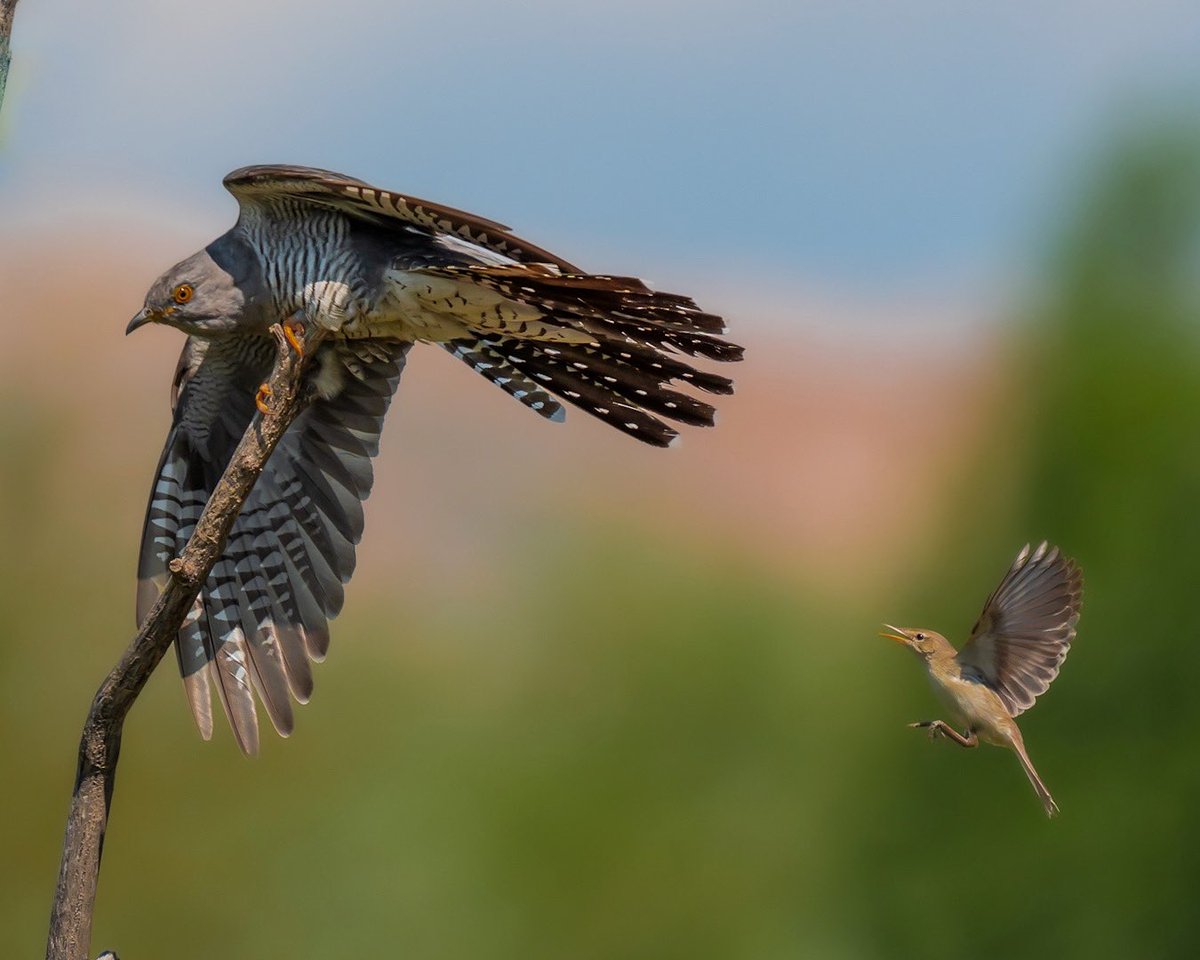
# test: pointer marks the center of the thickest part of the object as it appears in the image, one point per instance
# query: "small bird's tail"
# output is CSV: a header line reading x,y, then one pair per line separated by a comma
x,y
1038,787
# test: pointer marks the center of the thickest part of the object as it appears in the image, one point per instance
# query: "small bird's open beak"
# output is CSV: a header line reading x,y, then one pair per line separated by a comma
x,y
896,634
146,316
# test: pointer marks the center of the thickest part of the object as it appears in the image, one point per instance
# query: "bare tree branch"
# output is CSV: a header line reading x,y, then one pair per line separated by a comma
x,y
7,9
100,745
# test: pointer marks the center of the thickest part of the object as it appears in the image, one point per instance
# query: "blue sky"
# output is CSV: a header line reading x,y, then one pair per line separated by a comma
x,y
873,147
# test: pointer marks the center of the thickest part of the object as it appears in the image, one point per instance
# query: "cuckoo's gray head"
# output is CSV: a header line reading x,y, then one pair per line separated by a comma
x,y
218,290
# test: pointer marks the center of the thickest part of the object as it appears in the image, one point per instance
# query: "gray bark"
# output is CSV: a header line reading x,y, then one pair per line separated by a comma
x,y
100,745
7,9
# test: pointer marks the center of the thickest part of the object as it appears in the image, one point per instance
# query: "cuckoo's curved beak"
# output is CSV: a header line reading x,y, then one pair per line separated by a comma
x,y
896,634
146,316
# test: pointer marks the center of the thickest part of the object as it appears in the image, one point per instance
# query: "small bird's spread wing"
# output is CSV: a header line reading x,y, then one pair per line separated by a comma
x,y
1022,637
269,184
526,319
263,612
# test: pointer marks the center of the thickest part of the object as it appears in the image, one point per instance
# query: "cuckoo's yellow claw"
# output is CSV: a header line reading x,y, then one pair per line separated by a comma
x,y
294,331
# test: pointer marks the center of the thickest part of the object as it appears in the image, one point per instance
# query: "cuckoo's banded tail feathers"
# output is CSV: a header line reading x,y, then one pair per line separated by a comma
x,y
482,357
264,611
628,360
612,384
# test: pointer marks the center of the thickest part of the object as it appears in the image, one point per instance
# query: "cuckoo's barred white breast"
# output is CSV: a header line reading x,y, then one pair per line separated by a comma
x,y
379,271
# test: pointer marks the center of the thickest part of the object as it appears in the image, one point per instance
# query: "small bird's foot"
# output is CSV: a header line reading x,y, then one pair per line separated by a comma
x,y
261,398
294,331
933,726
930,725
939,728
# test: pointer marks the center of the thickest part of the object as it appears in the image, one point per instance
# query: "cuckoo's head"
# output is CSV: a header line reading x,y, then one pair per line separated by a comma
x,y
924,643
212,292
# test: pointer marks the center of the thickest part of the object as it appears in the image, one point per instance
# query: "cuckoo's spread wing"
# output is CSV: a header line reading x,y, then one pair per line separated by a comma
x,y
264,611
1022,637
268,184
531,322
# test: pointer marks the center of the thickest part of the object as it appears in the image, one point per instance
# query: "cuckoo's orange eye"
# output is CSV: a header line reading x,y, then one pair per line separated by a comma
x,y
182,293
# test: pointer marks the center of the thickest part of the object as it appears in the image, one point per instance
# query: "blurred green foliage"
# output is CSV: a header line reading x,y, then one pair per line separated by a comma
x,y
643,751
1107,396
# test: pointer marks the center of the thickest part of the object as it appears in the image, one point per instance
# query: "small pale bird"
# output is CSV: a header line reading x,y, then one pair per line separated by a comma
x,y
1015,651
378,271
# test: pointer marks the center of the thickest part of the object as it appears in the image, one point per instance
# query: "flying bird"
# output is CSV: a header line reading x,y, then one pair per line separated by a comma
x,y
377,271
1015,651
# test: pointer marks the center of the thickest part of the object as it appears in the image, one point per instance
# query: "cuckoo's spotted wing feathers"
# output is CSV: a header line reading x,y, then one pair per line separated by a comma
x,y
1025,630
264,611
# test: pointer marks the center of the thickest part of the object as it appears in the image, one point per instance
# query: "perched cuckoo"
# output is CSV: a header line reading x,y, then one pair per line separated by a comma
x,y
378,271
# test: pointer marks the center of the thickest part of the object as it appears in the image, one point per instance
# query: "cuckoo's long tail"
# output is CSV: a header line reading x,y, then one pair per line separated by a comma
x,y
628,348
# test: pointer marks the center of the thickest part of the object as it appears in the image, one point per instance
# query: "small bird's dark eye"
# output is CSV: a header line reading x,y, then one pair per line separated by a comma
x,y
920,636
182,293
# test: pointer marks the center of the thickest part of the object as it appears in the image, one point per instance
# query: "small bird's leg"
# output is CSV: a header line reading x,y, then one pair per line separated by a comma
x,y
939,728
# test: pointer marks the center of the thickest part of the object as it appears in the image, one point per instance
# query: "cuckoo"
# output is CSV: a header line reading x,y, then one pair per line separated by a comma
x,y
1015,651
377,271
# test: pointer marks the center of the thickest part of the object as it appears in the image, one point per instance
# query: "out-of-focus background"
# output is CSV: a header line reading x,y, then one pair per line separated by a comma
x,y
594,700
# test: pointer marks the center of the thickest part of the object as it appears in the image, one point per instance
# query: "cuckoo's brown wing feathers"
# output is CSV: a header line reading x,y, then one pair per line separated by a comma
x,y
265,608
1025,630
267,184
